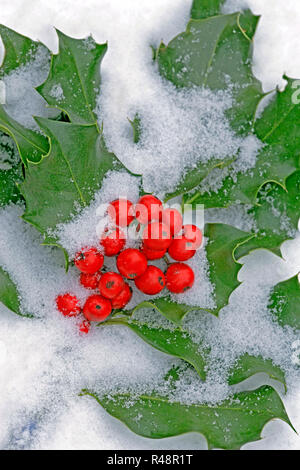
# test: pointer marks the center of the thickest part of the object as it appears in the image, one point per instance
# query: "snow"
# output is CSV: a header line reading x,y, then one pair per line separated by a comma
x,y
51,363
22,100
178,130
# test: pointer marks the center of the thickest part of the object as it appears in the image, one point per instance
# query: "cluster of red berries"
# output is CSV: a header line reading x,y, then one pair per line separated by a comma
x,y
162,232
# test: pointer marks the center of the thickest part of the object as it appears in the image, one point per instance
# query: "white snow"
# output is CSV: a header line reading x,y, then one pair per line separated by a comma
x,y
39,406
22,100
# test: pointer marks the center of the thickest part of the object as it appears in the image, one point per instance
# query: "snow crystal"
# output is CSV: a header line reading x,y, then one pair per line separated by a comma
x,y
57,92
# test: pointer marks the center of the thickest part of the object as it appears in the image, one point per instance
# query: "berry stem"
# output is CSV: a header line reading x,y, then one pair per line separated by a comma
x,y
166,260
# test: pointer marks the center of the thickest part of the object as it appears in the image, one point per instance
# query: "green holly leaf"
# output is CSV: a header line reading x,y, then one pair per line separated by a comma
x,y
284,302
278,128
227,425
216,52
19,51
9,192
10,171
276,217
66,180
204,8
170,309
9,294
176,341
223,267
31,145
74,79
248,365
136,128
193,176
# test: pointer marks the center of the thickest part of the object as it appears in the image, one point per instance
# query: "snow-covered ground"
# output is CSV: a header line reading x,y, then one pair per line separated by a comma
x,y
44,364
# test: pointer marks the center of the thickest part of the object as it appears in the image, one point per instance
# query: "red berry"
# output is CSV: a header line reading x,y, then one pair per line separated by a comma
x,y
148,208
96,308
111,284
173,219
89,260
90,281
152,281
123,298
131,263
121,212
84,326
113,241
157,236
193,234
180,277
180,249
68,305
153,254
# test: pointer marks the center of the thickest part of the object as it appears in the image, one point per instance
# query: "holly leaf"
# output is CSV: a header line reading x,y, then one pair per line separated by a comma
x,y
176,342
216,52
136,128
20,50
10,171
9,294
278,128
284,302
66,180
227,425
276,217
192,177
223,268
9,192
74,79
171,310
204,8
248,365
31,145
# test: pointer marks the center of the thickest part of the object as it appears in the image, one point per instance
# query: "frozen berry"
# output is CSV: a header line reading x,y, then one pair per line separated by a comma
x,y
123,298
193,234
96,308
90,281
113,241
152,281
180,277
68,305
173,219
157,236
111,284
131,263
121,212
180,249
148,208
84,326
153,254
89,260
